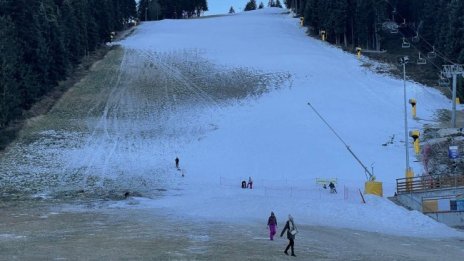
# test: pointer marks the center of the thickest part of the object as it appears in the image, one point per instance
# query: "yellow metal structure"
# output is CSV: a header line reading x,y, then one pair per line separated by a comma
x,y
417,147
373,188
429,206
413,104
323,35
415,135
358,52
458,101
409,176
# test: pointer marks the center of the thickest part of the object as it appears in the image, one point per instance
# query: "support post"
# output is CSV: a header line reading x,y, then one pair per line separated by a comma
x,y
453,100
452,71
406,137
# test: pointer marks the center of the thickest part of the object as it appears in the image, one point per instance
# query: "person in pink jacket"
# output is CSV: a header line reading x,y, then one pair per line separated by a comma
x,y
272,225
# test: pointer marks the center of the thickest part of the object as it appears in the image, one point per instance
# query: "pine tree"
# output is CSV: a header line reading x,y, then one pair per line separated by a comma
x,y
442,26
455,35
429,23
199,6
143,10
23,15
251,5
149,10
312,16
129,8
278,4
70,28
339,20
54,40
261,5
231,10
9,65
41,39
103,19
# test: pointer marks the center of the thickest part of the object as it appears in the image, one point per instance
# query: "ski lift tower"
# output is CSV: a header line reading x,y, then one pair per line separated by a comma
x,y
452,71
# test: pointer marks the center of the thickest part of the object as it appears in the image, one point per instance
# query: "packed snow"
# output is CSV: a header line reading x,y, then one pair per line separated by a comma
x,y
280,142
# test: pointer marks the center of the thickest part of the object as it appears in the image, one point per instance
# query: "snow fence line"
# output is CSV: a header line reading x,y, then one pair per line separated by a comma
x,y
305,189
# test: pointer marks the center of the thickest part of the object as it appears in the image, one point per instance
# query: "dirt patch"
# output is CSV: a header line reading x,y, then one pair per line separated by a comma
x,y
45,104
112,131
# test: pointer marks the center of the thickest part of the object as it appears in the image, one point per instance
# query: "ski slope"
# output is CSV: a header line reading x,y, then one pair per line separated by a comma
x,y
280,142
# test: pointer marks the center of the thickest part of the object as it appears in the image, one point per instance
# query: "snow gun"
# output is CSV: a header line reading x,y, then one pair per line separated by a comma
x,y
369,175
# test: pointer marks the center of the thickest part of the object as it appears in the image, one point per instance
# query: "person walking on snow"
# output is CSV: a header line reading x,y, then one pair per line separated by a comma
x,y
332,188
250,183
177,162
272,225
291,232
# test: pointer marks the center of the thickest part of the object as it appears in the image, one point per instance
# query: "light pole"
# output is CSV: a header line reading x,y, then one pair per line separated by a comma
x,y
403,61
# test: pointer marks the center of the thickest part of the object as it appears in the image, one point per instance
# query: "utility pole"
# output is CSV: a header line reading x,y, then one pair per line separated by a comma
x,y
452,71
403,61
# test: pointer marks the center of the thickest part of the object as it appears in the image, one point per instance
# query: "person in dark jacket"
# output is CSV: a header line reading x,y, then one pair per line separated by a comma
x,y
272,225
250,183
177,162
332,188
291,232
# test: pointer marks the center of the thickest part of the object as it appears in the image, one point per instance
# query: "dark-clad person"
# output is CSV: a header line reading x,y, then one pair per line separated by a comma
x,y
291,232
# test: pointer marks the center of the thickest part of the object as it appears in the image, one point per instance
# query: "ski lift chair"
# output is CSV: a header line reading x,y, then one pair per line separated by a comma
x,y
432,54
405,44
403,24
394,28
416,39
421,60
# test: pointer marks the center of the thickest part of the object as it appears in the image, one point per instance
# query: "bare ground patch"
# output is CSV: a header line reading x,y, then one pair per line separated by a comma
x,y
102,231
117,128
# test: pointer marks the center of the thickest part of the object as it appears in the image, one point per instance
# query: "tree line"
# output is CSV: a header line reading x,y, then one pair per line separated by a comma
x,y
251,5
367,23
41,41
149,10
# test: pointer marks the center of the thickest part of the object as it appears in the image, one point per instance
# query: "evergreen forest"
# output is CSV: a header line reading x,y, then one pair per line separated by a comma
x,y
170,9
430,25
41,41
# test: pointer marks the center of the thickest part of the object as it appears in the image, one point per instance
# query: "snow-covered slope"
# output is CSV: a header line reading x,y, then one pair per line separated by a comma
x,y
280,142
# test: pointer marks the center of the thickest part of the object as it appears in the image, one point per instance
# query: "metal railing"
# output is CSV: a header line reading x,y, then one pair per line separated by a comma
x,y
425,183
